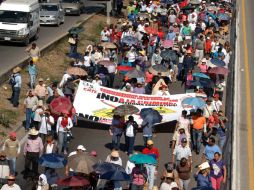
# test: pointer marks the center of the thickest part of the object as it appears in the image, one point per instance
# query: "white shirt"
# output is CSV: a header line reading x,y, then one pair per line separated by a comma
x,y
129,167
13,187
98,82
208,110
49,148
182,152
59,126
111,68
87,61
64,79
217,105
105,35
166,186
46,126
163,93
118,162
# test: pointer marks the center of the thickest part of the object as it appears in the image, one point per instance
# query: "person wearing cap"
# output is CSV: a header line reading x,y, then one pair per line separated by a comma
x,y
69,171
202,176
151,169
4,168
198,124
47,121
217,103
169,182
63,126
11,148
182,151
15,81
203,68
41,90
218,171
38,111
210,150
33,149
29,102
42,183
179,134
32,71
114,157
11,185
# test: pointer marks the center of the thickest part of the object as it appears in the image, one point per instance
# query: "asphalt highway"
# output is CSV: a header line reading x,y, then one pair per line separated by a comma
x,y
244,103
11,54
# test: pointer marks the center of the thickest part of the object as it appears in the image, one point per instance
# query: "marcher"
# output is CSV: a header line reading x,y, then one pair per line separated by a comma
x,y
38,111
4,168
11,185
41,90
50,146
29,103
33,149
184,172
63,126
202,176
210,149
15,81
47,121
131,128
42,183
182,151
12,148
34,52
116,131
32,71
168,183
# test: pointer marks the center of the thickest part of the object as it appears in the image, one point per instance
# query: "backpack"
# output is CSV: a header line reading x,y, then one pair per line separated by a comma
x,y
12,80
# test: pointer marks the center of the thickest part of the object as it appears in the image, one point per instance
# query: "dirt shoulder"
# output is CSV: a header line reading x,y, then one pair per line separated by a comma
x,y
51,68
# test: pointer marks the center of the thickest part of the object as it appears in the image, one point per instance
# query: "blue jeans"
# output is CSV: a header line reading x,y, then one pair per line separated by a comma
x,y
222,141
32,81
12,165
150,175
15,96
116,141
129,144
29,112
197,137
62,141
73,49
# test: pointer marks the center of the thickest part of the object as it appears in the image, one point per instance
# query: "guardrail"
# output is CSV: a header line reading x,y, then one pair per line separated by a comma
x,y
227,150
23,63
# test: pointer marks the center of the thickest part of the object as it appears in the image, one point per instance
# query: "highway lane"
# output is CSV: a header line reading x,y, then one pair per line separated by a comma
x,y
244,102
12,54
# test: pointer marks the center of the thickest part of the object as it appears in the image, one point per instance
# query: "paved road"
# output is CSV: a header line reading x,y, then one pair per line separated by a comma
x,y
11,54
244,102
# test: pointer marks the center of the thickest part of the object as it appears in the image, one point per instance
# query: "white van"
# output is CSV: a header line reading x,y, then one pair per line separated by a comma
x,y
19,20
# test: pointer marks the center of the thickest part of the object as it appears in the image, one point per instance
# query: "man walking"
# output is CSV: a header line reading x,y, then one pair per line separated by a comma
x,y
182,151
12,149
33,148
15,82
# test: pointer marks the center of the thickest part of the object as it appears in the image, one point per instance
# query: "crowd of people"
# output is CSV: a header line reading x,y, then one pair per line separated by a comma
x,y
156,44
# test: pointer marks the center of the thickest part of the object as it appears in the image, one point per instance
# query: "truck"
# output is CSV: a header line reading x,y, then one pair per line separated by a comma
x,y
19,21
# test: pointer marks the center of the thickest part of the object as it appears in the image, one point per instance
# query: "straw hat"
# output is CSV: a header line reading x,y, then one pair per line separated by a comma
x,y
149,142
40,80
33,132
16,70
204,166
115,154
40,103
169,175
11,177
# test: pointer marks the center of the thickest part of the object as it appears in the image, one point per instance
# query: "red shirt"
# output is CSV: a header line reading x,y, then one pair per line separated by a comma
x,y
161,35
153,152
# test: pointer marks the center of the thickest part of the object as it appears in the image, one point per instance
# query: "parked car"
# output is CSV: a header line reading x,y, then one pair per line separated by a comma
x,y
73,7
51,14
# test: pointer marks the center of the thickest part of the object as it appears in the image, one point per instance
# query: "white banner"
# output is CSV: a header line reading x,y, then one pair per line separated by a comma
x,y
96,103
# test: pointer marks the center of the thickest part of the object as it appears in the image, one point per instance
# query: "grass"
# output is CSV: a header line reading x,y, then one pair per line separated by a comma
x,y
51,65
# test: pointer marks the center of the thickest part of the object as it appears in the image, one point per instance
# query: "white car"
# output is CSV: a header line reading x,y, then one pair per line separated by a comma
x,y
51,14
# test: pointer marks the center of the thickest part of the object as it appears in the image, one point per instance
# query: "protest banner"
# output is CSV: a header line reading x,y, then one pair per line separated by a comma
x,y
96,103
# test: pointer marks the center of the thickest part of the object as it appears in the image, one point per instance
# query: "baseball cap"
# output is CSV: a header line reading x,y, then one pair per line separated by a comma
x,y
81,147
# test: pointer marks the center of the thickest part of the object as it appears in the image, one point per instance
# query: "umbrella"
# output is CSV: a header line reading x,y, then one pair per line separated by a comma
x,y
218,62
105,62
151,30
76,71
204,84
76,30
219,70
153,115
143,159
117,175
168,43
82,163
73,181
52,161
200,75
129,40
143,15
125,110
108,45
58,105
75,56
169,55
135,74
194,2
155,69
193,101
124,68
223,16
105,167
